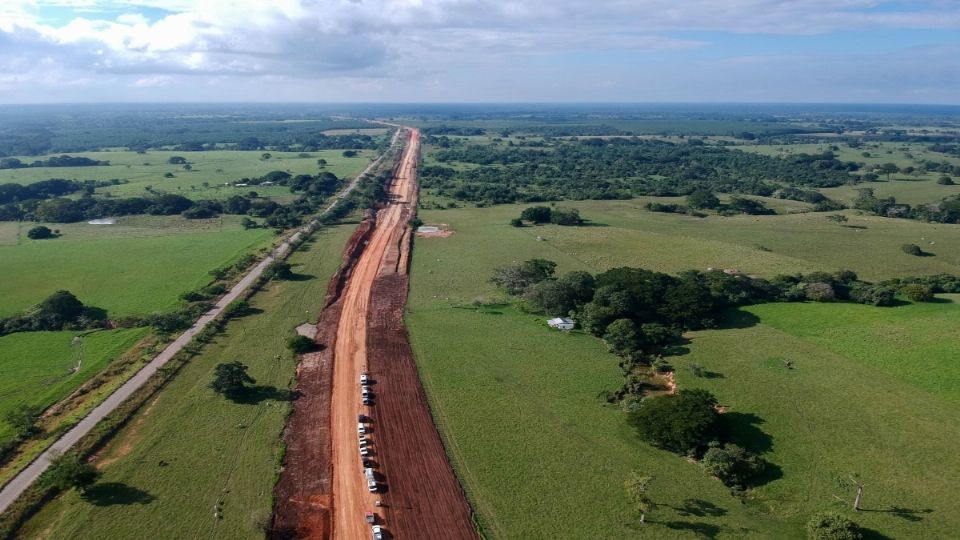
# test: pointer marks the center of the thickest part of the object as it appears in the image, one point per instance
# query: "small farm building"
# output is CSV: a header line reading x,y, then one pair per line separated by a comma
x,y
561,323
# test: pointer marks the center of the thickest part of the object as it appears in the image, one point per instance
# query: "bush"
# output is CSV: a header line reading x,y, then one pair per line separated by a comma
x,y
819,292
516,222
23,420
873,295
40,233
918,292
733,465
237,308
537,214
832,526
301,344
912,249
278,270
69,471
565,216
683,422
702,199
945,181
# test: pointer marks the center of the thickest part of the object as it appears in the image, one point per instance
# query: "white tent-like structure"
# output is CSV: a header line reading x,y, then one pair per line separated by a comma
x,y
562,323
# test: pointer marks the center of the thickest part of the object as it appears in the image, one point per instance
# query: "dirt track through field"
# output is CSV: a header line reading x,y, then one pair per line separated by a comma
x,y
420,494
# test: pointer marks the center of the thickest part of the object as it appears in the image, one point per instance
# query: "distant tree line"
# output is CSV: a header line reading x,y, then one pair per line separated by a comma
x,y
57,161
36,133
44,201
621,168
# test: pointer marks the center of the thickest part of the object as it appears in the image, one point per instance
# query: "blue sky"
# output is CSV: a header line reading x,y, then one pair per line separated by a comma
x,y
871,51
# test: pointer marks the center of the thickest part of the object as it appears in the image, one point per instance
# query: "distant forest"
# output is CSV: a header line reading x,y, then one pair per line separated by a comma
x,y
622,168
38,131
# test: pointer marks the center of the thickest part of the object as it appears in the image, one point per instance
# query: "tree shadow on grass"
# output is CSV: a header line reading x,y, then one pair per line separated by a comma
x,y
260,393
590,223
116,493
699,508
737,318
245,312
299,277
700,530
870,534
745,433
907,514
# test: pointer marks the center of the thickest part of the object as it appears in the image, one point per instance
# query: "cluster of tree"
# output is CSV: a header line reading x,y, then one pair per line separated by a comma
x,y
47,189
946,211
673,208
951,149
820,202
59,311
703,199
56,161
688,423
622,168
42,233
547,214
639,312
66,210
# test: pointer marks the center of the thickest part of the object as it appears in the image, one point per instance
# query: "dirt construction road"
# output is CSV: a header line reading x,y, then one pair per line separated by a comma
x,y
322,491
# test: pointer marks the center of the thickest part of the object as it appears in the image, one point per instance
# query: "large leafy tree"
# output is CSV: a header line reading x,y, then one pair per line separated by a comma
x,y
231,378
682,423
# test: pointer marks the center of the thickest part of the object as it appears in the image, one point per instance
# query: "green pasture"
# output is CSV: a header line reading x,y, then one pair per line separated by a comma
x,y
191,448
210,170
139,265
37,368
624,233
541,455
872,392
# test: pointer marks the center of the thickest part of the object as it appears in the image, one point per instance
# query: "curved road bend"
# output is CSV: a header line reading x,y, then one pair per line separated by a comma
x,y
18,484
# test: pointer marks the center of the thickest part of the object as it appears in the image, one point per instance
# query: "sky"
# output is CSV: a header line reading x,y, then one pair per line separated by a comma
x,y
840,51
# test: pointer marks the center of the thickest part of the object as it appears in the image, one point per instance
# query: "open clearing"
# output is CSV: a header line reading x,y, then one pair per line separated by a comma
x,y
141,264
624,233
36,367
540,454
210,167
224,451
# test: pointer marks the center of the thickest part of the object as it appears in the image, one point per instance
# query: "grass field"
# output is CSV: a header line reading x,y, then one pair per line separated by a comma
x,y
624,233
873,392
35,367
141,264
212,167
213,449
541,455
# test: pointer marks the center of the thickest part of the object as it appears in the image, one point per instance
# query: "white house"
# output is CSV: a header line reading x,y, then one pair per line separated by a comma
x,y
561,323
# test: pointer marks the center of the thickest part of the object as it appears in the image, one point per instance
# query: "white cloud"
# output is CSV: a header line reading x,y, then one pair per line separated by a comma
x,y
362,43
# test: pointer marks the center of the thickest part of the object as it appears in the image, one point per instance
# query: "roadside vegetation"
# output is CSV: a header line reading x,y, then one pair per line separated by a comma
x,y
226,450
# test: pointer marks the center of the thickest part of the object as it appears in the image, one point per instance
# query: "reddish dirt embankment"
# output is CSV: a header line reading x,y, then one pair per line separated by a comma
x,y
322,491
304,491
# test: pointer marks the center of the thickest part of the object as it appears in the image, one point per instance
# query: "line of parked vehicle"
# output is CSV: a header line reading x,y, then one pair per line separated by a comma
x,y
363,430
